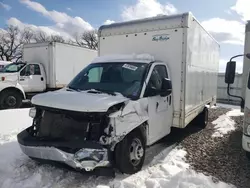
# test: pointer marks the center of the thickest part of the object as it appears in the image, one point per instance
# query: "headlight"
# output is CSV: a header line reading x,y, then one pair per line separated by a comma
x,y
32,112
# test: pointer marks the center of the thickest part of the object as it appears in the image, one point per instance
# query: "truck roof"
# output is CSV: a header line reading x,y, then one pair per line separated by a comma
x,y
150,24
41,44
137,58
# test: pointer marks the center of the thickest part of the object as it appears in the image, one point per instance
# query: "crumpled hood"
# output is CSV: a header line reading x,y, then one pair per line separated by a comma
x,y
78,101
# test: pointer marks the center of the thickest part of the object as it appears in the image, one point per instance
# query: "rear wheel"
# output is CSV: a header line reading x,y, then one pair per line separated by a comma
x,y
202,118
248,155
10,99
130,153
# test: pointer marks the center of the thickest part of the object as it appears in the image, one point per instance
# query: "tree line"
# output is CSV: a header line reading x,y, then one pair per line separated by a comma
x,y
12,39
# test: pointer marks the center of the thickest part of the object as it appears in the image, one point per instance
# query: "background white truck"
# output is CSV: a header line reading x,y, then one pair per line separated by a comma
x,y
152,74
245,95
4,64
46,66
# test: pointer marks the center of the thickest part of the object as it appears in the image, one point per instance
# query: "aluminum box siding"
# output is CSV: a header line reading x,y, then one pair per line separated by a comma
x,y
169,51
202,63
69,61
61,61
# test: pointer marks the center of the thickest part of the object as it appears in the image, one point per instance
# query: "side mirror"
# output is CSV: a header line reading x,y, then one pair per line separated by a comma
x,y
166,87
230,72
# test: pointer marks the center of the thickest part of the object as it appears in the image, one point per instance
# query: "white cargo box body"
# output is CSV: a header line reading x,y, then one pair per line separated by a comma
x,y
62,62
190,52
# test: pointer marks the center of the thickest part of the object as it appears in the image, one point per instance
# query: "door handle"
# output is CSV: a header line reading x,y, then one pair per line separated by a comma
x,y
41,78
157,105
22,79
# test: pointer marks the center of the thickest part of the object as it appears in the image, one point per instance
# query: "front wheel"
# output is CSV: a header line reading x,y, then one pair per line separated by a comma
x,y
130,153
10,99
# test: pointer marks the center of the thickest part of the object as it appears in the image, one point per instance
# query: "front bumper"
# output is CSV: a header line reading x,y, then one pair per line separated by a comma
x,y
246,143
90,156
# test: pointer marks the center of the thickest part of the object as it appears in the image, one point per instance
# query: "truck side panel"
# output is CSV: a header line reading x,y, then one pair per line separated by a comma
x,y
202,63
169,51
69,61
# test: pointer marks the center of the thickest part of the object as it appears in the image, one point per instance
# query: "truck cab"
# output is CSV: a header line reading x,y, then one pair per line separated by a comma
x,y
19,79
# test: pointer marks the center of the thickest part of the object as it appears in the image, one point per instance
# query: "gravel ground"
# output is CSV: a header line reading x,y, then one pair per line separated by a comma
x,y
220,157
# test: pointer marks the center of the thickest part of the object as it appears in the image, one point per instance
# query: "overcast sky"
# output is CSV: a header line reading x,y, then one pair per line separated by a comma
x,y
224,19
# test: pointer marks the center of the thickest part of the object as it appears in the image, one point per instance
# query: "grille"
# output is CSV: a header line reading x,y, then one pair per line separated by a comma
x,y
52,124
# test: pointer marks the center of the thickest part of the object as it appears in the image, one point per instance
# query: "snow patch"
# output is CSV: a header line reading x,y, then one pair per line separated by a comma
x,y
225,124
172,171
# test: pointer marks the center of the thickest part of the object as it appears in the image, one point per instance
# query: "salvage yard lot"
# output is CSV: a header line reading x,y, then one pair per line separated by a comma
x,y
191,157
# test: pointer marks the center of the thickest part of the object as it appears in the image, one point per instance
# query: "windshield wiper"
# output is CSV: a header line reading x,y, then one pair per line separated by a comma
x,y
72,89
101,91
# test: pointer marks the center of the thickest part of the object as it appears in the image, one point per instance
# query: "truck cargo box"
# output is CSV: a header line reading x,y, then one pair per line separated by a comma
x,y
190,52
61,61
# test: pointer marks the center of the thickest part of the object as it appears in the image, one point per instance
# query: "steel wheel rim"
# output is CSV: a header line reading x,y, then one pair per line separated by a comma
x,y
136,152
10,101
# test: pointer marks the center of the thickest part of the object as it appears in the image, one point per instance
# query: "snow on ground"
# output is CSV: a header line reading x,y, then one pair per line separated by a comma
x,y
167,169
225,123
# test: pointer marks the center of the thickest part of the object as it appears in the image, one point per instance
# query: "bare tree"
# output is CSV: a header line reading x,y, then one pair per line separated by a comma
x,y
87,39
11,41
41,37
57,38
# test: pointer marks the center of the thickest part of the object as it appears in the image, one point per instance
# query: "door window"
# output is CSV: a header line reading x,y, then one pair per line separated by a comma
x,y
158,74
31,69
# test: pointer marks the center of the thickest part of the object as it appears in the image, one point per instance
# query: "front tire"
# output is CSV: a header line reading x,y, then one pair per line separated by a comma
x,y
130,153
10,99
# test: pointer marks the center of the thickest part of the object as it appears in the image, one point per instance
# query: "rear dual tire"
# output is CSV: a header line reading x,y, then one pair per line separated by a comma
x,y
248,155
202,119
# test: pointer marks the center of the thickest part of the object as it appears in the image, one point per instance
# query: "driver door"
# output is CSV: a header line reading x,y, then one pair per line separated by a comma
x,y
31,79
160,108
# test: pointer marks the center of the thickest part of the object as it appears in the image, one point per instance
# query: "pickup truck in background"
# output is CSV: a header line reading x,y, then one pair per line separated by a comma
x,y
151,74
45,67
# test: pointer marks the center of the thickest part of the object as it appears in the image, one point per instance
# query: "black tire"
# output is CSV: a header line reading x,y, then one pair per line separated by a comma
x,y
248,155
202,119
10,99
123,153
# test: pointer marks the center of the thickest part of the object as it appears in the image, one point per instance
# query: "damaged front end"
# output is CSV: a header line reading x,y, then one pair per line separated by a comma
x,y
82,140
69,137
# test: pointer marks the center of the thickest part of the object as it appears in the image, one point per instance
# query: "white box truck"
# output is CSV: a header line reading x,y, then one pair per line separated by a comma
x,y
152,74
245,94
46,66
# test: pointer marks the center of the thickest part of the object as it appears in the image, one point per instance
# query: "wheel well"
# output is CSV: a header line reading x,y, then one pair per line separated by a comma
x,y
13,89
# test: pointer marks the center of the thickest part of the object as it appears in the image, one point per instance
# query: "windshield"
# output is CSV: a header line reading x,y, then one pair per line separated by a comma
x,y
125,78
14,67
